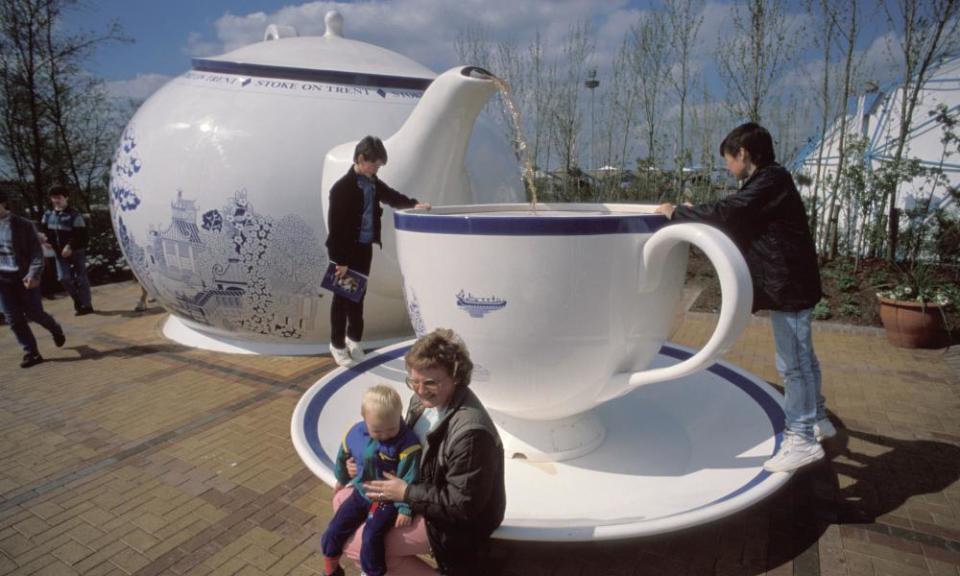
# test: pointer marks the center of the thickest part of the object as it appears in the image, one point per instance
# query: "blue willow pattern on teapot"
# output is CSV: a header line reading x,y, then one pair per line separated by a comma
x,y
237,269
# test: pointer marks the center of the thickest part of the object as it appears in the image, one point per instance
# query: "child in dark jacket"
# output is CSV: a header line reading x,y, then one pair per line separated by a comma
x,y
767,220
380,443
353,227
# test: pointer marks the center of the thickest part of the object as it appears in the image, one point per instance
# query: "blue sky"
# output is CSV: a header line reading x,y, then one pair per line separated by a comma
x,y
161,31
168,34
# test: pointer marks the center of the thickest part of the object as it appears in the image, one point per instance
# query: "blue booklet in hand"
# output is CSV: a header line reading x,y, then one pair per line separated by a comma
x,y
352,286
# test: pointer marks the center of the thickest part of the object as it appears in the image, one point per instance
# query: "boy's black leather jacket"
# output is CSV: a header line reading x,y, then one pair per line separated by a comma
x,y
766,219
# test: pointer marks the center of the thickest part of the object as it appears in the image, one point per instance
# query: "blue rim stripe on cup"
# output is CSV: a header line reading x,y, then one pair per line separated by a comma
x,y
475,220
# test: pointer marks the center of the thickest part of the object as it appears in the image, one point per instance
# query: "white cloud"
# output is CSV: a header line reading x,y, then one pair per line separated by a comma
x,y
879,63
426,30
138,88
197,46
883,60
717,23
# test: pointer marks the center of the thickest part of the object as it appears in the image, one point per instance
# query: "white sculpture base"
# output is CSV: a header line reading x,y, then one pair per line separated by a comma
x,y
549,440
182,333
675,454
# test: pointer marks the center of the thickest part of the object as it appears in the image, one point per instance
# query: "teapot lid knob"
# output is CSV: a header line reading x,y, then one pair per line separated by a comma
x,y
334,23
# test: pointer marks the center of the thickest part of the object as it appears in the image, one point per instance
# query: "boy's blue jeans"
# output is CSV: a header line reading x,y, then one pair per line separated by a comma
x,y
800,369
72,273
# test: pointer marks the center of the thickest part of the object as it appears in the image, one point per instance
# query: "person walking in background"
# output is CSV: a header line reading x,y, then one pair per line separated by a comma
x,y
66,232
141,305
353,225
767,220
21,266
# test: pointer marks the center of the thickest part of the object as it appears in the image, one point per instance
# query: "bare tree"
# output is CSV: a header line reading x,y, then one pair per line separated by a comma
x,y
711,123
567,120
823,9
57,123
649,44
542,79
708,120
784,123
756,54
850,35
473,46
930,32
533,83
685,18
619,112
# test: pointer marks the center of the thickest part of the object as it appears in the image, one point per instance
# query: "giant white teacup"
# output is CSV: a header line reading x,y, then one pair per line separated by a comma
x,y
563,308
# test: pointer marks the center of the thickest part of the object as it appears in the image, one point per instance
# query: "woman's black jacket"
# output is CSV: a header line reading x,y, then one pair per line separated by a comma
x,y
461,492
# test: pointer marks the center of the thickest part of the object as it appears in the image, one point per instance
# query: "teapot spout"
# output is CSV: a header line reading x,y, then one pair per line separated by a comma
x,y
426,155
429,149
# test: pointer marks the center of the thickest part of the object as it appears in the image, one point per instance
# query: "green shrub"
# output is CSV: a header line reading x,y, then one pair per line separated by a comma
x,y
878,278
822,310
849,306
105,261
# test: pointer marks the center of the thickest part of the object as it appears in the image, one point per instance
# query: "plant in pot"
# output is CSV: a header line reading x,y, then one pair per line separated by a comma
x,y
913,310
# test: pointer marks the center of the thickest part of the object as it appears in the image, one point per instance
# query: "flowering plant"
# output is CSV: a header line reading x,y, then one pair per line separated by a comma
x,y
939,295
919,284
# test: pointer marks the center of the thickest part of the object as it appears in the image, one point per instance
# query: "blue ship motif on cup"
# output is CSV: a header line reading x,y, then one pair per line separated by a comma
x,y
479,307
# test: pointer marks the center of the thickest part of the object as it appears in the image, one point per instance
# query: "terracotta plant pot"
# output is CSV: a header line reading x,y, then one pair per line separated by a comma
x,y
912,325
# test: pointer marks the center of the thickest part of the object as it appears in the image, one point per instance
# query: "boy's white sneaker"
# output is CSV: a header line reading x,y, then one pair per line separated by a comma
x,y
824,429
355,351
341,356
795,452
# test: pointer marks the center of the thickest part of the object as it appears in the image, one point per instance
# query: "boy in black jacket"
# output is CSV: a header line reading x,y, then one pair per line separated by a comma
x,y
766,219
353,226
66,233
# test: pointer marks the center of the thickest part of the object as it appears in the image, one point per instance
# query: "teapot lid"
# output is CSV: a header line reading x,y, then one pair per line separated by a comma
x,y
329,58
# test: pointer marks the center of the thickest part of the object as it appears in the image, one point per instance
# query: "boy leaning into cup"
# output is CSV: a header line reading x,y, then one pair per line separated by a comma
x,y
767,220
380,443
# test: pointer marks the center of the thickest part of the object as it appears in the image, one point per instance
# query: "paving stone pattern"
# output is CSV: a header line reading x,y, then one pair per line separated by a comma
x,y
126,453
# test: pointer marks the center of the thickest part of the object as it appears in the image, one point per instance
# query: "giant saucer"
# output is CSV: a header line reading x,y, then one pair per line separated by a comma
x,y
676,455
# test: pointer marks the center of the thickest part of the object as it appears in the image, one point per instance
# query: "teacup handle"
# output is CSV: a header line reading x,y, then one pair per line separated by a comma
x,y
736,292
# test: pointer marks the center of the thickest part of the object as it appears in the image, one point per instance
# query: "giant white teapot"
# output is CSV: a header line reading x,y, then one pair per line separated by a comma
x,y
218,186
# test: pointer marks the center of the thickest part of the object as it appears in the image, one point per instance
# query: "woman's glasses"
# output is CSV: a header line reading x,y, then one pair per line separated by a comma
x,y
428,384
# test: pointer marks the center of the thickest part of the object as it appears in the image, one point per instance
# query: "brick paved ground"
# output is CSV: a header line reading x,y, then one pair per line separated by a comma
x,y
125,453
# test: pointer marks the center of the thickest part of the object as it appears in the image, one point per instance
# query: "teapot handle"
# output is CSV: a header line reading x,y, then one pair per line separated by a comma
x,y
736,292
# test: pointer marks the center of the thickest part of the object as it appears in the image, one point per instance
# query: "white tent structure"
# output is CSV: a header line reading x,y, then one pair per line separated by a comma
x,y
875,118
